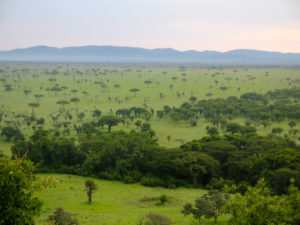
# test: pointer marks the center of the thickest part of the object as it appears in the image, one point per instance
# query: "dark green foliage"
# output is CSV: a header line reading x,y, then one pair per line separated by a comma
x,y
163,199
138,123
12,133
207,206
277,130
145,127
61,217
212,131
88,128
110,121
227,162
49,152
40,121
96,113
17,204
134,90
160,113
90,187
292,124
152,181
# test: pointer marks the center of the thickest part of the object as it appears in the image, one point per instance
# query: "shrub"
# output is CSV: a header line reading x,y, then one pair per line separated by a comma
x,y
163,199
157,219
40,121
60,217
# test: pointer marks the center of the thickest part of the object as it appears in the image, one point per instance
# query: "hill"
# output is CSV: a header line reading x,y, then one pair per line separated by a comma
x,y
115,54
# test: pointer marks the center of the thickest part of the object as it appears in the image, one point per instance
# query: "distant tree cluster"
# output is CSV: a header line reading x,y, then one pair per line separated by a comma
x,y
273,106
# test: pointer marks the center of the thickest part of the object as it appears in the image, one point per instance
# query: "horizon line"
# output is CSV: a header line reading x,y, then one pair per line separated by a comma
x,y
126,46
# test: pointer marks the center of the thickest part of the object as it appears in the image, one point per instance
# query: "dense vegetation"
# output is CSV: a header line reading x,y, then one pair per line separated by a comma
x,y
233,160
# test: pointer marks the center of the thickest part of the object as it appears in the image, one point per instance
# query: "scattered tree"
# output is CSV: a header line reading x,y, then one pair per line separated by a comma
x,y
90,187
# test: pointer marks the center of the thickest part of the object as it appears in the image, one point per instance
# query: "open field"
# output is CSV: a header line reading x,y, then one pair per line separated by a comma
x,y
115,202
107,88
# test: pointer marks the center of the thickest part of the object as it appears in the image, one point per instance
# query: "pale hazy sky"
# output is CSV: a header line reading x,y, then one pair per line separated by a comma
x,y
221,25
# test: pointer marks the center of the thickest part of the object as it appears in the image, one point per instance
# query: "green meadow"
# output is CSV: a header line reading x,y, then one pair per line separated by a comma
x,y
115,203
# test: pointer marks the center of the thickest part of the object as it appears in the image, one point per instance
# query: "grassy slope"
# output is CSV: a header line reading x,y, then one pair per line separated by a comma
x,y
115,202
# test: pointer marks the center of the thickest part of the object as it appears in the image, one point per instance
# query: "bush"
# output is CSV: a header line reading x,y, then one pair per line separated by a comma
x,y
157,219
60,217
40,121
163,199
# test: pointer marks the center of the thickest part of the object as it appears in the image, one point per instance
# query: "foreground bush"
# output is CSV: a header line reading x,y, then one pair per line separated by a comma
x,y
60,217
258,206
155,219
17,204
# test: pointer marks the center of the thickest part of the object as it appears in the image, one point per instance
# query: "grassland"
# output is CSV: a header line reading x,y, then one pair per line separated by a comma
x,y
114,202
95,85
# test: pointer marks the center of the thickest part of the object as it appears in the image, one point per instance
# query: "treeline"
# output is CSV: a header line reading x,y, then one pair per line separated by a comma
x,y
230,162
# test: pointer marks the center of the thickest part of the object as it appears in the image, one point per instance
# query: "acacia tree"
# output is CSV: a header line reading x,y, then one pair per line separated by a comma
x,y
76,101
110,121
134,90
27,92
292,124
96,113
147,82
223,88
90,187
117,86
63,103
208,94
33,105
8,88
38,97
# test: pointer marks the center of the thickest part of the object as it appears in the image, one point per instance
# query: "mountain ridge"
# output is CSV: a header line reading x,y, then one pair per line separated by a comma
x,y
109,53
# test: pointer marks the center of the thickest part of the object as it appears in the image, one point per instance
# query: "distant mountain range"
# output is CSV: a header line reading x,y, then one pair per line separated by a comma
x,y
114,54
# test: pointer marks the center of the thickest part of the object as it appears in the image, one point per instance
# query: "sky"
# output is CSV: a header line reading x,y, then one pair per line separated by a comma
x,y
221,25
